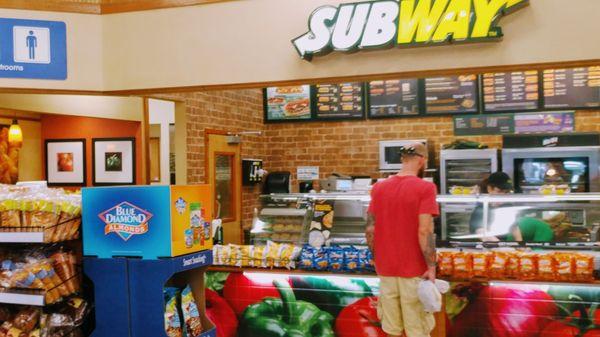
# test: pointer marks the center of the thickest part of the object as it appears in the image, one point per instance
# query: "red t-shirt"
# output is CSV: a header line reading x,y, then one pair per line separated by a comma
x,y
396,204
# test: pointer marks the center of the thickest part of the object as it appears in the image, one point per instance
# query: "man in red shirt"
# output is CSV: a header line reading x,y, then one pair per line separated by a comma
x,y
400,233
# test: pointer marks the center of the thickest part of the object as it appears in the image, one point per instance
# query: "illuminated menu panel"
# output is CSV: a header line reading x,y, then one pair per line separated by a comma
x,y
572,88
394,98
452,94
344,100
287,103
511,91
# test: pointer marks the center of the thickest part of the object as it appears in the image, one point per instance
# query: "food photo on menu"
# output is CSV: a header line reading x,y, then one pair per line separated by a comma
x,y
283,103
344,100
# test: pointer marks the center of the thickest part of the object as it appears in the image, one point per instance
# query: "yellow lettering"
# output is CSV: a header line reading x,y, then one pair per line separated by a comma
x,y
486,11
420,20
512,3
455,21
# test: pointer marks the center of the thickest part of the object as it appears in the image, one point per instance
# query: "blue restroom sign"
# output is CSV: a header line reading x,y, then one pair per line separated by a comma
x,y
33,49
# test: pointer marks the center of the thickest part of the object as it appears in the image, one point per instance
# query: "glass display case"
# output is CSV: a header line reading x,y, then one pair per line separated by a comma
x,y
570,220
334,218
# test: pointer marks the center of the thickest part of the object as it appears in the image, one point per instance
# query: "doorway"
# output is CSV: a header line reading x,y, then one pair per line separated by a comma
x,y
223,172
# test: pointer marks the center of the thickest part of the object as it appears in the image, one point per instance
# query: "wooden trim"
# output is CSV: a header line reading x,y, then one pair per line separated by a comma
x,y
124,6
52,6
324,80
360,78
146,143
101,7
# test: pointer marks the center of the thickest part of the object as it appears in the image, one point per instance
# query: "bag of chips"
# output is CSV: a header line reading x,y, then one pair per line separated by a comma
x,y
191,315
462,263
259,259
498,265
480,264
307,256
512,265
546,267
366,261
564,266
172,316
321,261
336,259
584,268
528,266
351,259
445,265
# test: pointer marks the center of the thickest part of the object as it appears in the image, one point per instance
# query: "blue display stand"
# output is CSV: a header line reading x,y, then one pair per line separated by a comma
x,y
129,293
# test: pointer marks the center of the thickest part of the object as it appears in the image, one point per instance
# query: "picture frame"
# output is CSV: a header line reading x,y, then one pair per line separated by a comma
x,y
65,162
113,161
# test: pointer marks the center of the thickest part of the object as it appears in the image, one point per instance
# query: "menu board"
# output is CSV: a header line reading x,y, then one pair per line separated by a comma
x,y
511,91
475,125
453,94
287,103
572,88
339,101
394,98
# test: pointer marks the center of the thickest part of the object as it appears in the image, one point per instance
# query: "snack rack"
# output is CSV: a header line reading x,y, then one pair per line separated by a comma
x,y
129,296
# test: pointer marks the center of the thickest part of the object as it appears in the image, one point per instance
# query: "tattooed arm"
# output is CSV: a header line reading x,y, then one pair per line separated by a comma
x,y
427,243
370,231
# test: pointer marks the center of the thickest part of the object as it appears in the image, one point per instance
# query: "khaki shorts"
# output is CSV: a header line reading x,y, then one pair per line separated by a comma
x,y
400,310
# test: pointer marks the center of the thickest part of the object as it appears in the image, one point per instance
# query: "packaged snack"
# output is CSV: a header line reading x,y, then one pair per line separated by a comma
x,y
366,261
564,263
245,255
546,267
191,315
528,266
14,332
584,268
321,261
324,213
5,327
272,255
10,213
445,266
258,257
307,257
498,265
481,262
34,333
336,259
172,321
462,263
288,255
27,319
512,265
351,259
235,256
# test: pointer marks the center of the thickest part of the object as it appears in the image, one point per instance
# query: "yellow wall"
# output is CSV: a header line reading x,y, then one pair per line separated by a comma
x,y
249,41
124,108
84,51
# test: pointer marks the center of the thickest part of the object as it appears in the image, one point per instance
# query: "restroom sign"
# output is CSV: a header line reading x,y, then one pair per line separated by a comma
x,y
33,49
381,24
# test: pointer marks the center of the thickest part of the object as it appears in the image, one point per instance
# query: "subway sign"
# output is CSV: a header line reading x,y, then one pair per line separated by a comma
x,y
381,24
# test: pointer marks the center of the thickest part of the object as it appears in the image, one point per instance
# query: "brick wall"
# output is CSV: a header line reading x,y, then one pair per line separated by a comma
x,y
231,110
343,147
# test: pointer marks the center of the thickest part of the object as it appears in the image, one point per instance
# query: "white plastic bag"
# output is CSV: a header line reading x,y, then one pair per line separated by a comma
x,y
430,294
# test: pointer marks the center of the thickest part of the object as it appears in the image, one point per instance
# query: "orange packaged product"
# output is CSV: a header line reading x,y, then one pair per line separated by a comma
x,y
564,263
463,265
498,265
62,264
480,264
512,265
528,267
445,265
546,267
584,268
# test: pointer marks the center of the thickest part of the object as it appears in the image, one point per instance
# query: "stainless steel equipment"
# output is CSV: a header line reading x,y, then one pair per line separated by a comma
x,y
466,168
570,160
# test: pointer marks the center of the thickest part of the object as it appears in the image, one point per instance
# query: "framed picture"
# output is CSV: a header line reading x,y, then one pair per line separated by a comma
x,y
113,161
65,162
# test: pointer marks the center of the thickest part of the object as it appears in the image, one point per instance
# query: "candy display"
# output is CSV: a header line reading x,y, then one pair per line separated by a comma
x,y
54,212
271,255
63,320
54,272
524,266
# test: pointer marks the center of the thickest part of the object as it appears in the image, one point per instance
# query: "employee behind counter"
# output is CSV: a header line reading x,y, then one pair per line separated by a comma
x,y
525,229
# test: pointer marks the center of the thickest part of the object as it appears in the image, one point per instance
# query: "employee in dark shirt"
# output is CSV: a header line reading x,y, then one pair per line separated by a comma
x,y
497,183
524,229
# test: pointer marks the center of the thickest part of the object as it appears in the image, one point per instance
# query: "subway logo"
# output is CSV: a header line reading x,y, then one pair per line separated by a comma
x,y
379,24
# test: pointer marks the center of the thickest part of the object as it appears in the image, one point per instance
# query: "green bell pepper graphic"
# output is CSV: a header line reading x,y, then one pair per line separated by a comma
x,y
285,317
